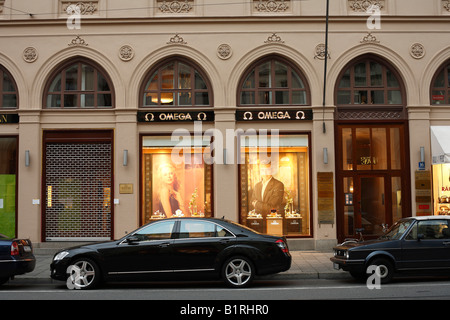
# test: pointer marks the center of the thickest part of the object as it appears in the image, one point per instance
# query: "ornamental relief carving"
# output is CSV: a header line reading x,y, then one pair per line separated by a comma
x,y
417,51
30,54
271,5
446,6
175,6
361,6
86,7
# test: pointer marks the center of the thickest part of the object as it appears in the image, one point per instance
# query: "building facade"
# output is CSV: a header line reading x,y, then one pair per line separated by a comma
x,y
114,115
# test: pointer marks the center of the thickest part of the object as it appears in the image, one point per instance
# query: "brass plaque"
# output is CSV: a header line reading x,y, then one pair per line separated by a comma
x,y
126,188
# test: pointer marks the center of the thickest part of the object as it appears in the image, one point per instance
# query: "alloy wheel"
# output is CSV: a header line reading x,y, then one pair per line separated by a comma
x,y
238,272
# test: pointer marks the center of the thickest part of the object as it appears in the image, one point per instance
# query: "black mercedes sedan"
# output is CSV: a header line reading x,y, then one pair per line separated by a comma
x,y
16,257
416,245
175,248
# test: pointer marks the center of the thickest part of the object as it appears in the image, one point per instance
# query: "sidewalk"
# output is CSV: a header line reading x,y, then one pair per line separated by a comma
x,y
305,265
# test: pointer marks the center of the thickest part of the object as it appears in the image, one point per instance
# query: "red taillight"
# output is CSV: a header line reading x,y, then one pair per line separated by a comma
x,y
282,245
14,249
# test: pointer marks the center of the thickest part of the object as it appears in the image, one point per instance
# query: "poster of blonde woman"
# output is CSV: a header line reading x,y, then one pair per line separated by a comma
x,y
178,189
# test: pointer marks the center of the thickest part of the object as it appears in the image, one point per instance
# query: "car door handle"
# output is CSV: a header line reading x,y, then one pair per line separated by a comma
x,y
163,245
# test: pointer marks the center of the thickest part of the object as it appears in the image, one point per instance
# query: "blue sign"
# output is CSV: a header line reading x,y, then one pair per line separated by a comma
x,y
422,165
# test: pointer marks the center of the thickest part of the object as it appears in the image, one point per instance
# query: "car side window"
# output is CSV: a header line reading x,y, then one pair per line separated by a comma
x,y
431,230
201,229
156,231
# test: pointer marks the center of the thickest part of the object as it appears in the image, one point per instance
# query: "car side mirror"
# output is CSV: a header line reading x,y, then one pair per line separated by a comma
x,y
132,239
420,236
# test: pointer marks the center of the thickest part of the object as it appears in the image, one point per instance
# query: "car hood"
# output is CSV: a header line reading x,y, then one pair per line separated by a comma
x,y
366,243
91,246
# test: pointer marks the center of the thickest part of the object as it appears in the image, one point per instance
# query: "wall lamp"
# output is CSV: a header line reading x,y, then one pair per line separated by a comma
x,y
27,158
125,158
422,154
325,155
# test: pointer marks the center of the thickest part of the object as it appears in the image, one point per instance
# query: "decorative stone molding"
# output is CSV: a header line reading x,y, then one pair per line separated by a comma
x,y
224,51
77,41
369,38
320,52
175,6
126,53
30,54
271,5
369,115
176,40
417,51
86,7
274,38
361,6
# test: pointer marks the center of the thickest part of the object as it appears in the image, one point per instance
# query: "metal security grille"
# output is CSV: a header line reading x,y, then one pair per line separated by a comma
x,y
78,191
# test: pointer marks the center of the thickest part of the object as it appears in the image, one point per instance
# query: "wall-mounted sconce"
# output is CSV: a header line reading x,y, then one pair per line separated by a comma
x,y
325,155
27,158
422,154
125,158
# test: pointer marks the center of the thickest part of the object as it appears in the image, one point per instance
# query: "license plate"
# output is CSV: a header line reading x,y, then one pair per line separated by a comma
x,y
27,248
336,266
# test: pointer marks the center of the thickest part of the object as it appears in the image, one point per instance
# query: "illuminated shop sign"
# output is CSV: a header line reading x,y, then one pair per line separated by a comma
x,y
176,116
268,115
9,118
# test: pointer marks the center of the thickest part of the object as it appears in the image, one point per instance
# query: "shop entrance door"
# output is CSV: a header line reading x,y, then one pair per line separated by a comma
x,y
367,209
372,179
77,185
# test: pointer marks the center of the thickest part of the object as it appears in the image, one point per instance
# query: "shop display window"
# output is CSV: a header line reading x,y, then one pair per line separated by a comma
x,y
441,188
8,177
176,181
274,184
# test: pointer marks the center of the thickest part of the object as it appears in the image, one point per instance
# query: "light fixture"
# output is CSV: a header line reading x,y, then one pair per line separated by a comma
x,y
125,158
422,154
224,156
27,158
325,155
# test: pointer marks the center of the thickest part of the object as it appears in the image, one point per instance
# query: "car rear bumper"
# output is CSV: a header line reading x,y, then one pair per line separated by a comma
x,y
14,267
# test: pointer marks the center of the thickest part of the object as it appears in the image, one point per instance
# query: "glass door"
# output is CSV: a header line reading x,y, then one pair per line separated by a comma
x,y
372,178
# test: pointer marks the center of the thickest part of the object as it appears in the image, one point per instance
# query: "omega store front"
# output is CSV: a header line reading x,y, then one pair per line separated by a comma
x,y
273,170
274,174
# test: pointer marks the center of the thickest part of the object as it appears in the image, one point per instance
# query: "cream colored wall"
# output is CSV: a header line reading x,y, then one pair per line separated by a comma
x,y
236,23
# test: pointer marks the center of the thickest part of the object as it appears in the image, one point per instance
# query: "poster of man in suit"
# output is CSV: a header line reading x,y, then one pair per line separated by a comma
x,y
268,193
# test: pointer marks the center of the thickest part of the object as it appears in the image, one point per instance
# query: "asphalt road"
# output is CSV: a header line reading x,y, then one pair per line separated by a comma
x,y
269,290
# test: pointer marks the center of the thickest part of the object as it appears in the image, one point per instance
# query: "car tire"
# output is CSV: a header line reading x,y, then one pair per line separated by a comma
x,y
238,272
3,280
83,274
386,269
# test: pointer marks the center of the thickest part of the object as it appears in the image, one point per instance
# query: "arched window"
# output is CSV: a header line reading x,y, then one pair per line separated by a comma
x,y
273,81
440,90
369,82
176,83
8,90
79,84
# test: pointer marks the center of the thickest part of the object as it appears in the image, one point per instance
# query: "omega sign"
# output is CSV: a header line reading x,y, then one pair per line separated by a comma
x,y
169,116
270,115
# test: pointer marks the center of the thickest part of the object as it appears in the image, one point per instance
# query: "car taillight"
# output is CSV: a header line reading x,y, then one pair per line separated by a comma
x,y
14,249
282,245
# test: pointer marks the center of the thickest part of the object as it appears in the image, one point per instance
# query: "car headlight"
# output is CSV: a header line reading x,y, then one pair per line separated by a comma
x,y
60,255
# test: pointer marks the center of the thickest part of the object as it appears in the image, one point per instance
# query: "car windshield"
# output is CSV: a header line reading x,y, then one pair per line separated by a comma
x,y
397,230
